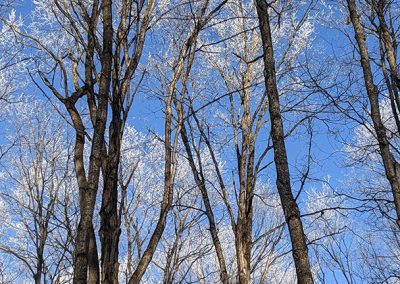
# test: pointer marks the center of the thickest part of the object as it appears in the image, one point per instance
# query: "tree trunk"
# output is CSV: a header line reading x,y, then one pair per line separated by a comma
x,y
166,200
200,182
243,252
93,260
289,205
392,168
110,226
39,267
387,41
88,197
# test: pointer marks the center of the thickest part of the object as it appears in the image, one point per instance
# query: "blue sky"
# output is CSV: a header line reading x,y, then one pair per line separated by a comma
x,y
327,149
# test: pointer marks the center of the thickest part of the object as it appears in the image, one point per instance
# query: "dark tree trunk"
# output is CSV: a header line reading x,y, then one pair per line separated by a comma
x,y
289,205
39,267
88,196
110,224
392,168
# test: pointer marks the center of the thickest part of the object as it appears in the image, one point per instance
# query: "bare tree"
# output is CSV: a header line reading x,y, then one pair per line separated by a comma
x,y
289,205
234,90
391,166
98,64
39,198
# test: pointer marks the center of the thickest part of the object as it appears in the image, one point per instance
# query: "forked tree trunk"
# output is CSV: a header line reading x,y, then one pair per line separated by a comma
x,y
200,182
121,101
88,195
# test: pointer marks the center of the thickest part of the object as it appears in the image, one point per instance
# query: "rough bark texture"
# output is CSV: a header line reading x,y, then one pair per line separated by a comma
x,y
120,102
110,226
88,197
392,168
289,205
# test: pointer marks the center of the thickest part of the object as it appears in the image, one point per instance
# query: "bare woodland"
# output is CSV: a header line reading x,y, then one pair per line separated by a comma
x,y
199,141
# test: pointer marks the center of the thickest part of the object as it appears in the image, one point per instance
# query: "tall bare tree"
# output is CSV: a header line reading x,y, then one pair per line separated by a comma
x,y
289,204
96,65
391,166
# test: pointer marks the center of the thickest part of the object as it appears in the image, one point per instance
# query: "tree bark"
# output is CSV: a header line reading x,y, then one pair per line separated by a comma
x,y
200,182
166,201
289,205
392,168
121,102
110,226
387,41
88,196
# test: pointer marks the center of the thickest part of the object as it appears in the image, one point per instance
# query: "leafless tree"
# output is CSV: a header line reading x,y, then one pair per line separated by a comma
x,y
40,198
